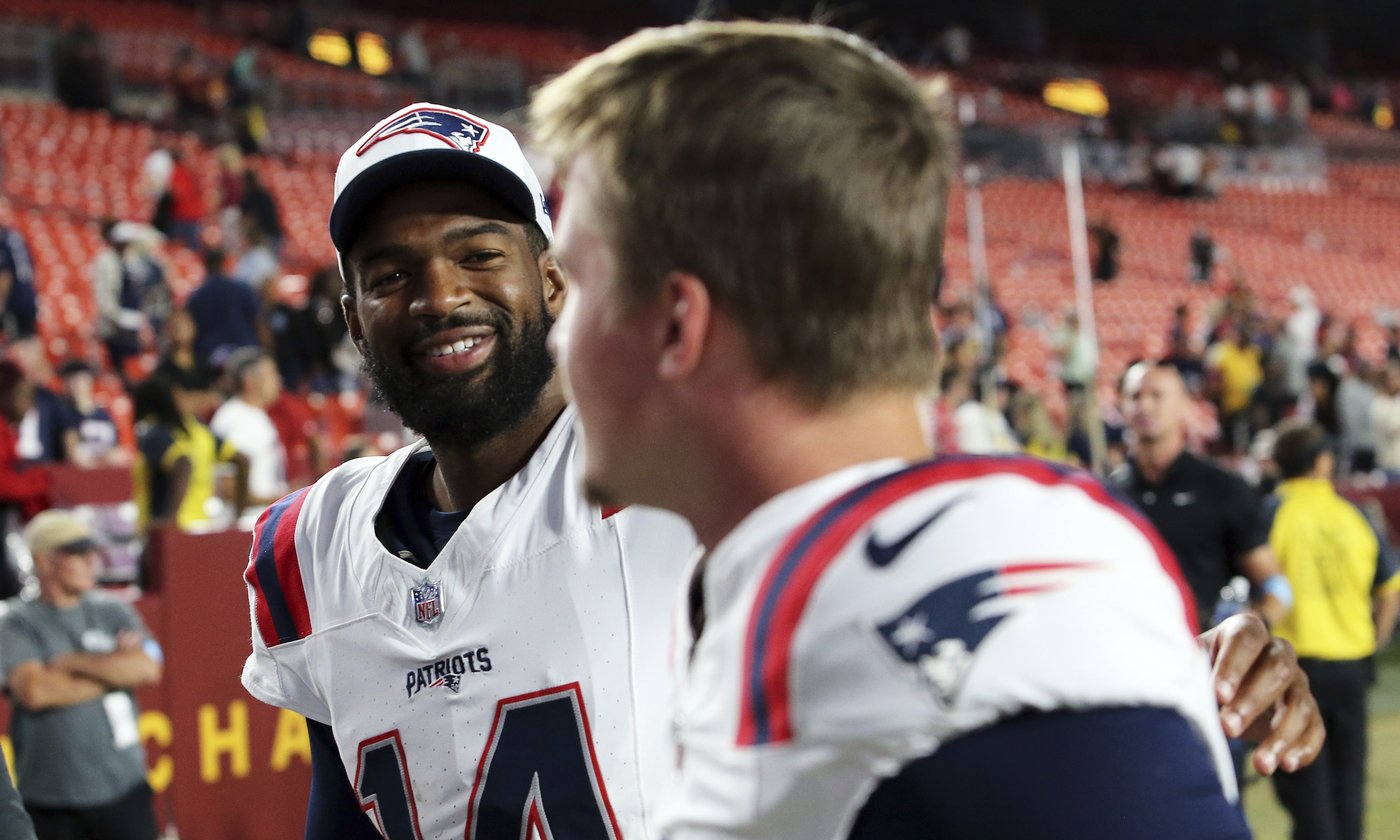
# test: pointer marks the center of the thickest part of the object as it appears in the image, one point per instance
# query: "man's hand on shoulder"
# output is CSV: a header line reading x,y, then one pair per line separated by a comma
x,y
1264,694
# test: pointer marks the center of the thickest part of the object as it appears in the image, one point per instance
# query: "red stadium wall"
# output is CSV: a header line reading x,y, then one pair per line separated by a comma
x,y
224,766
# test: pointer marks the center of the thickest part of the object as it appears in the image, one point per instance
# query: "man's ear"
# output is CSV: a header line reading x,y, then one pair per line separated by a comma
x,y
687,309
554,284
352,319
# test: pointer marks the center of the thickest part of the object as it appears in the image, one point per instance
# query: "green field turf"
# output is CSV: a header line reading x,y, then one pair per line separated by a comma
x,y
1383,781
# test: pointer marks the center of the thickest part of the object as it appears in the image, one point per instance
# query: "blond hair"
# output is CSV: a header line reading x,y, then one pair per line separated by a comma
x,y
794,168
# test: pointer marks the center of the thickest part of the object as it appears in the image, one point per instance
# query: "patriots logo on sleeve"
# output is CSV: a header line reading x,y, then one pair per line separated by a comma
x,y
939,634
451,127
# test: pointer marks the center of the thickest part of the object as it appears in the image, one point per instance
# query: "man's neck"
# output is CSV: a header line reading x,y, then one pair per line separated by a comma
x,y
767,443
59,598
1155,457
464,476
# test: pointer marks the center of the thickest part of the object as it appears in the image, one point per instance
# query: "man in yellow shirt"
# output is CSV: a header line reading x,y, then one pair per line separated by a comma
x,y
1346,592
1237,367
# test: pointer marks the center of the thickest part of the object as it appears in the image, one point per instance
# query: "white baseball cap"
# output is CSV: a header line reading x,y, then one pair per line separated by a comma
x,y
61,530
432,142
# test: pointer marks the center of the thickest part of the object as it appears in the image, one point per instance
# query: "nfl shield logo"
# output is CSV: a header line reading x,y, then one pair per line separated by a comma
x,y
427,603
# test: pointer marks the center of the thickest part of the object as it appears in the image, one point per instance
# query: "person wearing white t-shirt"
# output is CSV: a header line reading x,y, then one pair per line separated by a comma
x,y
243,421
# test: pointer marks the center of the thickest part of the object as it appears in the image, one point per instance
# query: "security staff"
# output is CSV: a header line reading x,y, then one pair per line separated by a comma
x,y
1214,523
1347,591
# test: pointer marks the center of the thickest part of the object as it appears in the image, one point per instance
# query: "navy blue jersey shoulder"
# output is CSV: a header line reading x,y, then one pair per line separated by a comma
x,y
1105,774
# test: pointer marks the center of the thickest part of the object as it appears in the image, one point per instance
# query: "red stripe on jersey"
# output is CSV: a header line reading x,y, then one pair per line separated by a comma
x,y
274,574
262,615
289,567
765,707
792,597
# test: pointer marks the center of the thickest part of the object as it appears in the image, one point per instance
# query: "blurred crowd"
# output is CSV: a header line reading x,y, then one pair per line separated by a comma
x,y
221,382
1246,371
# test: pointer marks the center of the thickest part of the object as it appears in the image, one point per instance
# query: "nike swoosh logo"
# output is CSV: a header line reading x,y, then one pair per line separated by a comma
x,y
882,554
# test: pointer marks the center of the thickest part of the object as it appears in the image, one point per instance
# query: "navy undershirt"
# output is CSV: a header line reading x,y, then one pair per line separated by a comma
x,y
409,525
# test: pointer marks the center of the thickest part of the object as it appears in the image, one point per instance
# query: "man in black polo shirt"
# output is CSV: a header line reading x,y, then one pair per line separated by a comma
x,y
1213,521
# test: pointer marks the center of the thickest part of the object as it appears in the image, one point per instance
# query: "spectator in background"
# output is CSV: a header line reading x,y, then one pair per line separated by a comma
x,y
187,208
245,101
1077,352
156,171
1182,353
71,659
124,277
1236,368
225,313
17,292
1385,420
1303,323
1322,399
981,420
243,422
189,88
1273,400
179,362
1213,522
290,336
260,207
1106,241
81,75
1039,437
257,266
302,432
41,429
231,170
1357,450
936,410
23,489
329,333
174,475
1202,256
118,301
1347,593
90,434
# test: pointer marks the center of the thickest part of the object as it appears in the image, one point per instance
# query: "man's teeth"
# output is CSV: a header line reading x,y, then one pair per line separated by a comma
x,y
455,347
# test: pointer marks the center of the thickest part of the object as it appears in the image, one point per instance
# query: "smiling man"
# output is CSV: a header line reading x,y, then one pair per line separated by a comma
x,y
482,651
473,642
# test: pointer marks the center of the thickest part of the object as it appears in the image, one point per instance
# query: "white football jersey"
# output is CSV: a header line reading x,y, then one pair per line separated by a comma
x,y
518,685
860,621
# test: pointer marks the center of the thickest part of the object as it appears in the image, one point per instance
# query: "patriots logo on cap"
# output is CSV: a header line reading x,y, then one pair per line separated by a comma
x,y
452,127
939,634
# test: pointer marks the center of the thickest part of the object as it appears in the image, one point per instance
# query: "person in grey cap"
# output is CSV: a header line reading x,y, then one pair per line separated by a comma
x,y
70,660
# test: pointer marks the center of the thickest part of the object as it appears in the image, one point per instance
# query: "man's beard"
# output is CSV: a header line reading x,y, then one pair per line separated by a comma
x,y
453,410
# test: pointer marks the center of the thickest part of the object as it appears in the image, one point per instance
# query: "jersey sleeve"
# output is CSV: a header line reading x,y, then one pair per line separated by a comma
x,y
1120,775
277,671
935,614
